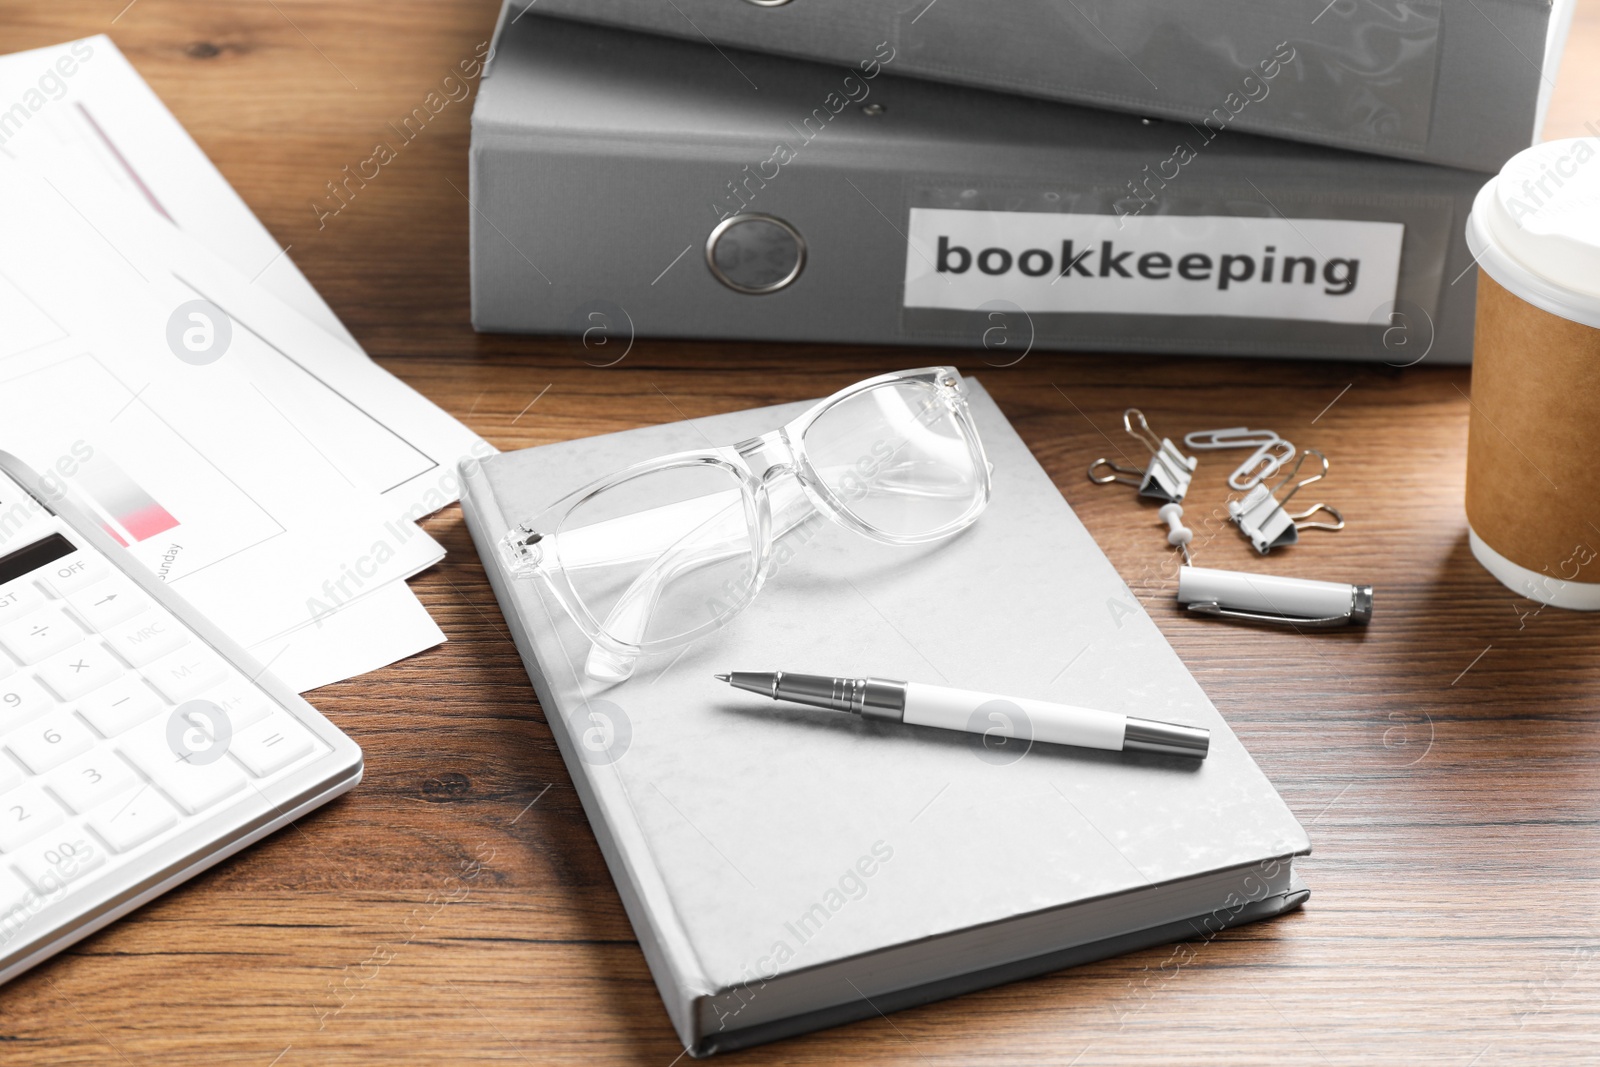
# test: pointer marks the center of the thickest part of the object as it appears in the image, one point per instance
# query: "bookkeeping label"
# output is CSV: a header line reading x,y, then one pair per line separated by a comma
x,y
1318,270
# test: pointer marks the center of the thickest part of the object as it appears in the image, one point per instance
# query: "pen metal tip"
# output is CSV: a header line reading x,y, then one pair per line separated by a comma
x,y
724,678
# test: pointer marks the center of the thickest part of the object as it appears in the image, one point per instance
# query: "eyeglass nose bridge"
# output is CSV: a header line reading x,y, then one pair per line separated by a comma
x,y
768,456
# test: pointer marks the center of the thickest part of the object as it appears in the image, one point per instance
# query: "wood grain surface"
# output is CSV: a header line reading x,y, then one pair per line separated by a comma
x,y
1444,761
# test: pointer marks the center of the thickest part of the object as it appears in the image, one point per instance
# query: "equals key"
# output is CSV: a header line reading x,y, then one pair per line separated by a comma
x,y
271,744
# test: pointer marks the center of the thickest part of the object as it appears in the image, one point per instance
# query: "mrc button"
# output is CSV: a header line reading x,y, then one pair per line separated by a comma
x,y
755,253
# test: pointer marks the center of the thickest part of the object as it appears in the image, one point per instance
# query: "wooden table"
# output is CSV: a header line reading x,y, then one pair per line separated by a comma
x,y
1443,761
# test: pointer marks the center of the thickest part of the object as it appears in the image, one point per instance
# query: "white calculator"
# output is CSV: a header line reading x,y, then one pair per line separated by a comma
x,y
138,745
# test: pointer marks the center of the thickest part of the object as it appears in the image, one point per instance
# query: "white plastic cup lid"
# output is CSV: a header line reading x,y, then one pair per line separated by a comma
x,y
1535,227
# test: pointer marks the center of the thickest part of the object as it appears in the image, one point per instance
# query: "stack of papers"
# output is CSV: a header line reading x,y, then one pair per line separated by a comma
x,y
162,359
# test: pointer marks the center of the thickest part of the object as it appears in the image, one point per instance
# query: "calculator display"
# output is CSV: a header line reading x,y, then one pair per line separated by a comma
x,y
30,558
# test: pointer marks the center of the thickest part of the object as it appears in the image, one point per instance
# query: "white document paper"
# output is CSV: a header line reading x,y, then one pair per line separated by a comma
x,y
346,407
381,628
113,151
192,465
87,114
87,95
379,432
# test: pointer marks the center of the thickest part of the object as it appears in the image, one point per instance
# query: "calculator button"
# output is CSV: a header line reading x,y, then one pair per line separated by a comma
x,y
56,860
147,637
13,892
241,702
80,670
50,741
21,699
129,821
25,813
39,634
194,785
69,574
89,780
7,668
271,744
119,706
10,775
186,672
19,598
108,602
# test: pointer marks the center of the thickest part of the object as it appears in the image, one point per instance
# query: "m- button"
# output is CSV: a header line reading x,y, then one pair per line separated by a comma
x,y
186,672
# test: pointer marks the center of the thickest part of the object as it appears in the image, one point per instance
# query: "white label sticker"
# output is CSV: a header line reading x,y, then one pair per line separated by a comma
x,y
1319,270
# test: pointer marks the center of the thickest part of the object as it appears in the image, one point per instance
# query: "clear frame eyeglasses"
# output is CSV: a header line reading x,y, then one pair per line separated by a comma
x,y
664,552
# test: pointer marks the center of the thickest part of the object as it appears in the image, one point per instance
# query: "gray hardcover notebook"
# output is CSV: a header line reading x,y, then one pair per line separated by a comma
x,y
783,865
1457,82
605,164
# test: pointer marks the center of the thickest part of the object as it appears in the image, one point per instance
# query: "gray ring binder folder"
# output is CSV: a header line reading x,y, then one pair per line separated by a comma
x,y
1182,238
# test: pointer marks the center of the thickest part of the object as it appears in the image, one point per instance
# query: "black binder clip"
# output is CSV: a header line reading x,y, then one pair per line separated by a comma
x,y
1168,473
1263,519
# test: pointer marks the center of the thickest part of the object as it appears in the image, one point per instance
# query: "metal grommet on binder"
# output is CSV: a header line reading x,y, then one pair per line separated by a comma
x,y
767,3
755,254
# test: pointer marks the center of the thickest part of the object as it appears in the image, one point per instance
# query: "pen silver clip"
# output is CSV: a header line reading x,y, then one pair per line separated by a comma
x,y
1327,622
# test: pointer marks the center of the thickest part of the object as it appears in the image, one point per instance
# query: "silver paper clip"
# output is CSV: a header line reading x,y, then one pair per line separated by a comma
x,y
1262,464
1262,517
1168,474
1232,437
1271,452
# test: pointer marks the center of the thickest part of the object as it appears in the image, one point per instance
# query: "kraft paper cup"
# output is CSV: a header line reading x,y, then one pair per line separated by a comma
x,y
1533,448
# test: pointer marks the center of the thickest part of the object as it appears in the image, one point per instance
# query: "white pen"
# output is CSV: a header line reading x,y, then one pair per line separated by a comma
x,y
961,709
1269,598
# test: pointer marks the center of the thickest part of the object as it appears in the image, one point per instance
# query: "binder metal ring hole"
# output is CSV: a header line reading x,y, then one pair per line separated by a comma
x,y
755,254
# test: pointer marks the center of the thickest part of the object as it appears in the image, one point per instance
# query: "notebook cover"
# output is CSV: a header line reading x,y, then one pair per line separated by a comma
x,y
726,819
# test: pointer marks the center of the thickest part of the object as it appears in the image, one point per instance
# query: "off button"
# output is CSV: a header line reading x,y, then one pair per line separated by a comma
x,y
755,253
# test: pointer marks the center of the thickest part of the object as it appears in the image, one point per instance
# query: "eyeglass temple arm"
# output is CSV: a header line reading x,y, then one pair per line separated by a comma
x,y
629,538
723,537
639,536
648,534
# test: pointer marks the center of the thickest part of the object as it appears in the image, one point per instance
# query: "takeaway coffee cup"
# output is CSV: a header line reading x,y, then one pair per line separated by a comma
x,y
1533,447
